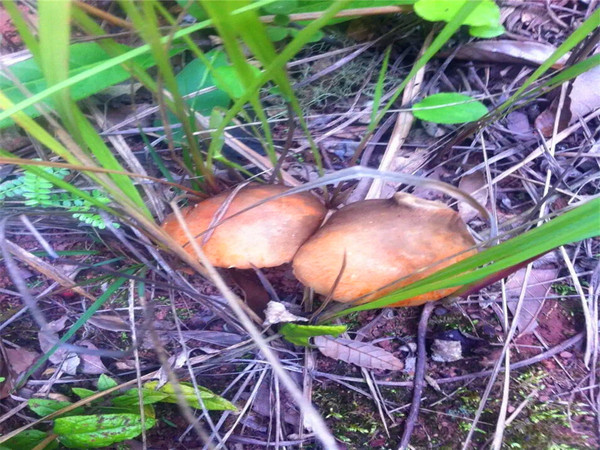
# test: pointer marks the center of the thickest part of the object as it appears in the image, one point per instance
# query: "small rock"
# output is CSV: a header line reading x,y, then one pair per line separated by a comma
x,y
518,123
566,355
446,351
410,364
440,311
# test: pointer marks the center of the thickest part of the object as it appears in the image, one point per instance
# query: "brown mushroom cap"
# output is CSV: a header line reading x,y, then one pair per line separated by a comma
x,y
266,236
383,240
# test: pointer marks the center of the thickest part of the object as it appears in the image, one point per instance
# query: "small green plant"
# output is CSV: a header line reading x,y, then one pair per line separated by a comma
x,y
38,191
103,423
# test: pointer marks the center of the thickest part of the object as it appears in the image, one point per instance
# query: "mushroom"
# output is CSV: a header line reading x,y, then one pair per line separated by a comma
x,y
383,241
265,236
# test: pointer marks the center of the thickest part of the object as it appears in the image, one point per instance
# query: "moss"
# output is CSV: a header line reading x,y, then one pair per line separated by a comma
x,y
352,417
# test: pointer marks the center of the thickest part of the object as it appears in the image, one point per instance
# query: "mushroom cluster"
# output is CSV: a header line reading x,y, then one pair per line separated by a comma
x,y
365,250
377,246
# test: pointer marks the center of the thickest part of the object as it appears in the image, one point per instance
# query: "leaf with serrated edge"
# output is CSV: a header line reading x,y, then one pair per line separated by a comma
x,y
361,354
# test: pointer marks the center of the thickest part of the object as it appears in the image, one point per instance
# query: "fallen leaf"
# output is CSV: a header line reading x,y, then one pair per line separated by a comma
x,y
264,405
91,364
473,184
518,123
21,359
585,98
361,354
48,337
7,376
276,312
507,51
540,282
220,338
582,99
109,322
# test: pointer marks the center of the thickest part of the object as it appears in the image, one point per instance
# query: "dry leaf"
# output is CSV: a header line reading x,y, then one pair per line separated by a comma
x,y
473,184
6,374
91,364
540,282
264,405
20,359
582,99
109,322
220,338
48,337
518,123
506,51
276,312
361,354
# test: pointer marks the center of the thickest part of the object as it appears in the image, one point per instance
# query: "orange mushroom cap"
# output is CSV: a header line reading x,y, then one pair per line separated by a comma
x,y
383,240
266,236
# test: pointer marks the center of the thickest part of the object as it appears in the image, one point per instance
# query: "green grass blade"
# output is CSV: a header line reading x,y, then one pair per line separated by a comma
x,y
277,64
108,160
379,86
54,34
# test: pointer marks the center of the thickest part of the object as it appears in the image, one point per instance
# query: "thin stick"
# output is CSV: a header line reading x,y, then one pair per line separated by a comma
x,y
419,380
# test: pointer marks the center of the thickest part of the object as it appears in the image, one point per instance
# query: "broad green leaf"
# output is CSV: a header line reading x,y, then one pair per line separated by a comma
x,y
82,57
277,34
229,81
44,406
196,76
100,430
487,13
193,8
281,7
130,409
131,397
316,37
299,334
448,107
105,382
82,393
282,20
212,401
487,31
28,439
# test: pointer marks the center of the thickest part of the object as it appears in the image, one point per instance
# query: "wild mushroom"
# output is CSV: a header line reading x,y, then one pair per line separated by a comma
x,y
266,236
383,241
